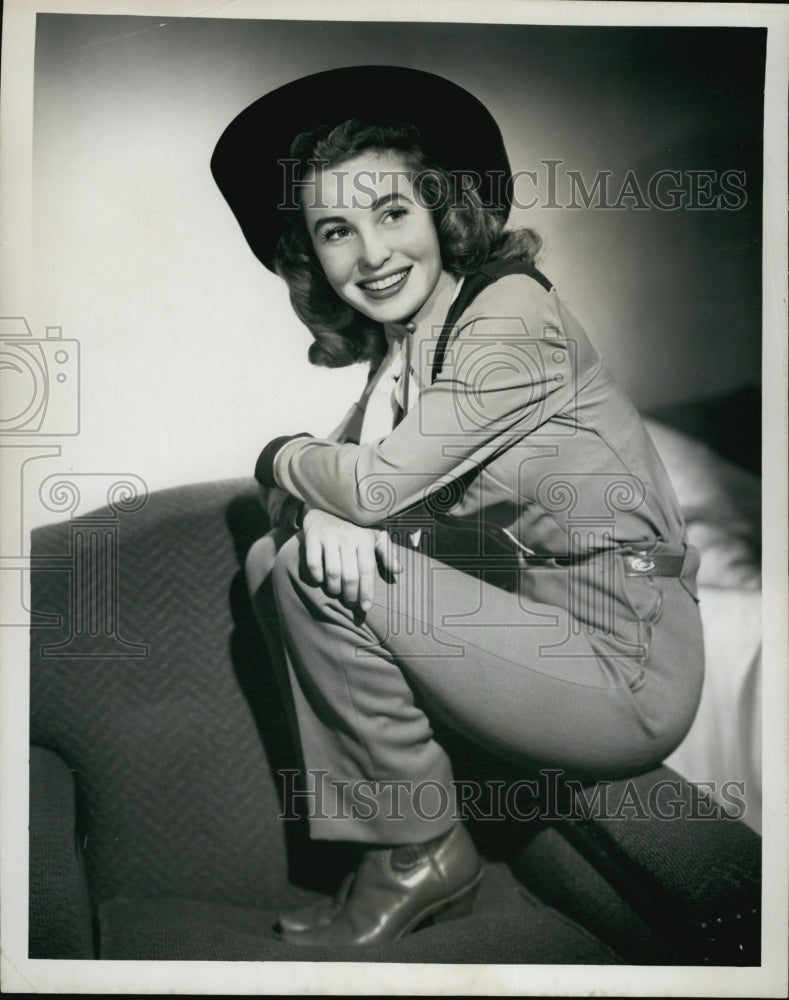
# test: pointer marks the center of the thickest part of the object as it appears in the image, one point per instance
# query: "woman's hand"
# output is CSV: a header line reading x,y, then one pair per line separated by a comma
x,y
342,556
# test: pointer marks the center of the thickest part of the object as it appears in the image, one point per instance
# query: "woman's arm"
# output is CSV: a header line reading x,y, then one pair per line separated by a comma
x,y
342,557
511,367
284,507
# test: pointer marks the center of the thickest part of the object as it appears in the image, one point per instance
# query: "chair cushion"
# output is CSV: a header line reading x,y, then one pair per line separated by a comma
x,y
508,925
660,847
561,877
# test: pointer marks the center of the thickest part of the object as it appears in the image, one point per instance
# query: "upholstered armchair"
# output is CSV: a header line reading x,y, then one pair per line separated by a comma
x,y
159,744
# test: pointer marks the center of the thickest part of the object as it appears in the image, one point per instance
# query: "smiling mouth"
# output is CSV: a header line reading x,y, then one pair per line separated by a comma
x,y
386,284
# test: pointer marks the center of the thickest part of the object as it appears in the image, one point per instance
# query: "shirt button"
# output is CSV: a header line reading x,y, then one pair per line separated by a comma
x,y
410,327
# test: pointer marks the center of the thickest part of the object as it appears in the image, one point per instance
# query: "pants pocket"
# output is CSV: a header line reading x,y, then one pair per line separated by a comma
x,y
645,598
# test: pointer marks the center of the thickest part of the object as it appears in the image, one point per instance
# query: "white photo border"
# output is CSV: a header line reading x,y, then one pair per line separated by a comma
x,y
25,975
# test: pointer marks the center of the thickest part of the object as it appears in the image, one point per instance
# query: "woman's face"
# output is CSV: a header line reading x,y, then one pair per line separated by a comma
x,y
377,244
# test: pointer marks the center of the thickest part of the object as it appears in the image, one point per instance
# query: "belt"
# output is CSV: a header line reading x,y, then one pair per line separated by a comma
x,y
636,563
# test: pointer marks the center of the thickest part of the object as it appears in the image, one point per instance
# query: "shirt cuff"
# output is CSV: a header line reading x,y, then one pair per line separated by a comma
x,y
282,465
265,470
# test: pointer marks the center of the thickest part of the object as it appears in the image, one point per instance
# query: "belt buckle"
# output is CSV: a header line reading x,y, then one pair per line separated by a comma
x,y
639,564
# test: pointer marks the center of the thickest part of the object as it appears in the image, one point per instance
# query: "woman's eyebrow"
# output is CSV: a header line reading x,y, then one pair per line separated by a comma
x,y
386,198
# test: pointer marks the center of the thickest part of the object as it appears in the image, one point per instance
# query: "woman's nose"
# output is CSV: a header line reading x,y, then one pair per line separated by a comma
x,y
373,251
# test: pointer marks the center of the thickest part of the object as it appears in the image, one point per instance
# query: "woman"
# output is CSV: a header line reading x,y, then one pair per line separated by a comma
x,y
489,541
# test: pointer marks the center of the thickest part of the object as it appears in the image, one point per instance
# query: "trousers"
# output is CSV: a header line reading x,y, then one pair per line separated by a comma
x,y
523,680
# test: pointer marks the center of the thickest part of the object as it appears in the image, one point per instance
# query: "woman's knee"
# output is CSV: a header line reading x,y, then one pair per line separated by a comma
x,y
285,567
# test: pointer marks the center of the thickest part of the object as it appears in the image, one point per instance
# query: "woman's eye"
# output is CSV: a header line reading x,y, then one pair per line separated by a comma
x,y
334,233
393,214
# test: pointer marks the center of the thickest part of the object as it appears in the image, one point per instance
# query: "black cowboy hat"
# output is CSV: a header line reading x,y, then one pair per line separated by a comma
x,y
458,133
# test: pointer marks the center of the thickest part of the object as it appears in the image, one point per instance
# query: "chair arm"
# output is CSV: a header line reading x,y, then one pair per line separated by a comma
x,y
666,852
60,924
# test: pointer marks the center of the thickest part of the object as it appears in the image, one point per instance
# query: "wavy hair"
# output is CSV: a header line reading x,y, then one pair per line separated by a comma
x,y
469,235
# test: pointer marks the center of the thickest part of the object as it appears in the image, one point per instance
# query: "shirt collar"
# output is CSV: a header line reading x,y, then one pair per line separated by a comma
x,y
432,312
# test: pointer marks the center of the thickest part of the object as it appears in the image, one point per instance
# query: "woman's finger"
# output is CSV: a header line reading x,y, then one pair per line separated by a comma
x,y
367,573
332,568
387,554
313,555
350,573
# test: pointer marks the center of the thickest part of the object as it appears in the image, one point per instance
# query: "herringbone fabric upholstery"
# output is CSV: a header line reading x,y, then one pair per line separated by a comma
x,y
175,792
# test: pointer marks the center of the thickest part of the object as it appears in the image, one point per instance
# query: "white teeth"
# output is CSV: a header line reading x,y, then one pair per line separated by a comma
x,y
379,286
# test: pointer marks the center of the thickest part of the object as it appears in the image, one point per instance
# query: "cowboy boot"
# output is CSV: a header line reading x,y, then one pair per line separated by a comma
x,y
314,914
397,888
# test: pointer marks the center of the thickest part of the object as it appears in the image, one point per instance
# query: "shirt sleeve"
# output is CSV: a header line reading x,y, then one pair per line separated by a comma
x,y
509,369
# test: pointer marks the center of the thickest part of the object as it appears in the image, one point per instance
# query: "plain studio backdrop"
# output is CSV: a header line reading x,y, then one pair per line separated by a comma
x,y
190,356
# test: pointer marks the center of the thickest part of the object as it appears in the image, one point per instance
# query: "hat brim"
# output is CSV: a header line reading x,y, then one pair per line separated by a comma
x,y
458,133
